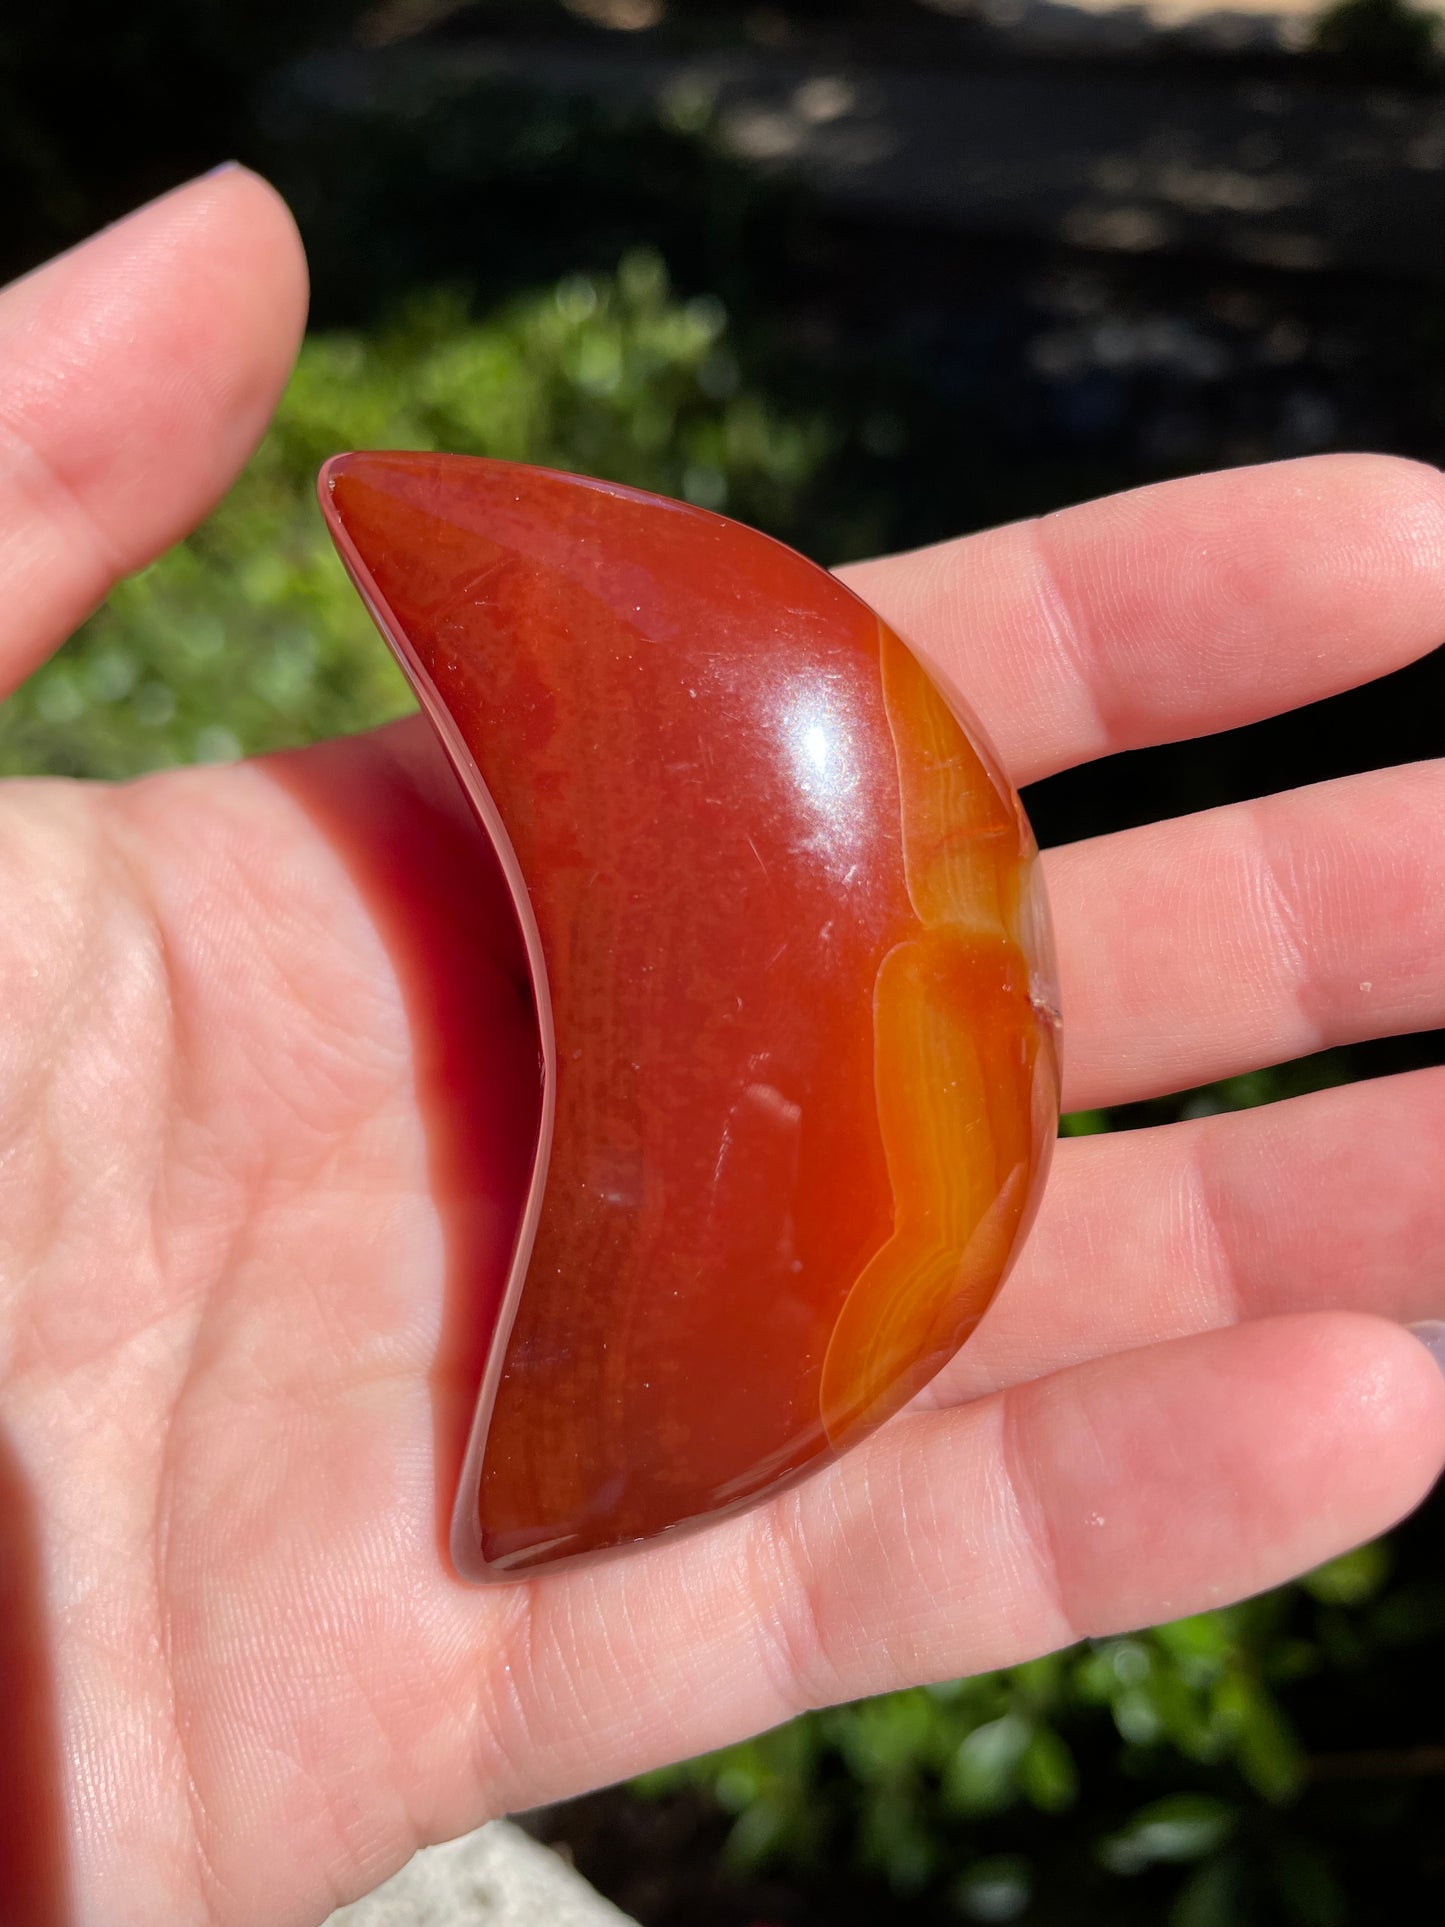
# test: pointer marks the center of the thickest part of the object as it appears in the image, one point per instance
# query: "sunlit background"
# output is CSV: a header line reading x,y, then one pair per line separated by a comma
x,y
863,274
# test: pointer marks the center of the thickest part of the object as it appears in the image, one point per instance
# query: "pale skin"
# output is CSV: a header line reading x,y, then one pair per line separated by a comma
x,y
223,1348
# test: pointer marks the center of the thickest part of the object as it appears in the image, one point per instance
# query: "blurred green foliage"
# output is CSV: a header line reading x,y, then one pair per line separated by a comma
x,y
248,637
1154,1777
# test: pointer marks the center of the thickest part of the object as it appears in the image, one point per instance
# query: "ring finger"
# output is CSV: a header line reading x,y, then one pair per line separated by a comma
x,y
1330,1202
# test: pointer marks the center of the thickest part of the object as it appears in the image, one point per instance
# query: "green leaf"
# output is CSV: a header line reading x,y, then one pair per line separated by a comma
x,y
1351,1579
1180,1827
999,1887
1209,1898
1047,1775
1307,1886
1083,1123
1265,1747
982,1776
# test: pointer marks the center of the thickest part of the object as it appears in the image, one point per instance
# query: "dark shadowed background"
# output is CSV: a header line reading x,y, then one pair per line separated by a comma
x,y
864,274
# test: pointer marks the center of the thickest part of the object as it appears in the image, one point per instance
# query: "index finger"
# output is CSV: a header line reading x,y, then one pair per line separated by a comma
x,y
1178,609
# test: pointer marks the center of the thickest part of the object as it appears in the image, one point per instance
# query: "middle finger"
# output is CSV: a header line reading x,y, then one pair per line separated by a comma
x,y
1193,949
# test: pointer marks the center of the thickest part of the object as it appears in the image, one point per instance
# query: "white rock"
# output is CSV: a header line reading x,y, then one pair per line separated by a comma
x,y
496,1877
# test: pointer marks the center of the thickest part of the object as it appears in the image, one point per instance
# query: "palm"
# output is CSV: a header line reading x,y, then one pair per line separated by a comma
x,y
241,1010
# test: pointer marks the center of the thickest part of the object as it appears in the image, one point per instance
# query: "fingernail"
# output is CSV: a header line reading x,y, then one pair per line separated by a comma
x,y
221,167
1431,1334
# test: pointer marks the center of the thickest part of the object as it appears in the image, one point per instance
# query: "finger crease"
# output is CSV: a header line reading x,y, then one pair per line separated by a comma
x,y
46,480
1222,1294
1286,938
1072,644
791,1644
1034,1532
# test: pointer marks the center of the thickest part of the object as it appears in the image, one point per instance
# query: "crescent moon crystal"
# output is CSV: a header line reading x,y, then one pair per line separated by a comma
x,y
798,1027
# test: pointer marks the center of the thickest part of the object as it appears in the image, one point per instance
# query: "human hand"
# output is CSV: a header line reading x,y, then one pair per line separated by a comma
x,y
258,1054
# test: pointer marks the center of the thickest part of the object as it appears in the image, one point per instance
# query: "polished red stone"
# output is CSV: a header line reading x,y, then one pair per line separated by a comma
x,y
793,976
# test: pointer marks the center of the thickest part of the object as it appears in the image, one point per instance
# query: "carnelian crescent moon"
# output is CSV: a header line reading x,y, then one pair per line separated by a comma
x,y
794,982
